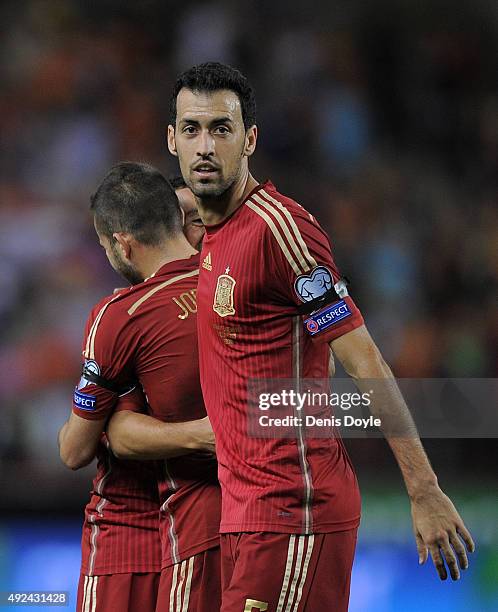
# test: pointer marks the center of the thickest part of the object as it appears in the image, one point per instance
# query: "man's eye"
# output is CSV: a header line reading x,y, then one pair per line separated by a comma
x,y
189,129
222,129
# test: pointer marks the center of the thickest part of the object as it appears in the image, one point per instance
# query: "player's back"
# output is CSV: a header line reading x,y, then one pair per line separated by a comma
x,y
149,332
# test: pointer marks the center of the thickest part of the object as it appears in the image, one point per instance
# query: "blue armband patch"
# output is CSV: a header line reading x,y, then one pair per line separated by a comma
x,y
85,401
326,317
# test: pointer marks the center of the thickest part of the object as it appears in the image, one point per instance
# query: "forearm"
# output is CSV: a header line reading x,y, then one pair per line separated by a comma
x,y
141,437
388,405
62,433
373,376
73,451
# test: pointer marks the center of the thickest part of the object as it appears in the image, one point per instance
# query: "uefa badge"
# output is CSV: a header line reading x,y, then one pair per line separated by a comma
x,y
223,296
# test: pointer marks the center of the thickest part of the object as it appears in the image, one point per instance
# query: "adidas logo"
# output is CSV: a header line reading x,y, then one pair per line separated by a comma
x,y
207,262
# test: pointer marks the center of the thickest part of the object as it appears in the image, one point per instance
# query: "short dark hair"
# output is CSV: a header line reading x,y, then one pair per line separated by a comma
x,y
214,76
136,198
177,182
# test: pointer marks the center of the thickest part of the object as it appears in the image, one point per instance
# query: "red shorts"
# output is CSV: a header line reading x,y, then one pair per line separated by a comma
x,y
118,593
194,585
279,572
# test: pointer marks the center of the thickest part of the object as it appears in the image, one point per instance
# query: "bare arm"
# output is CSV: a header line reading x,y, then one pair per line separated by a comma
x,y
78,441
139,436
436,522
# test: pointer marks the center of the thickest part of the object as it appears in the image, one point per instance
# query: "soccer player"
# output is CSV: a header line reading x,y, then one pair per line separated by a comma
x,y
146,334
290,507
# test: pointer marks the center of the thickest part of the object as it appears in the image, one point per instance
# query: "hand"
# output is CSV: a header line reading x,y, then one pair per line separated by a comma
x,y
204,436
438,528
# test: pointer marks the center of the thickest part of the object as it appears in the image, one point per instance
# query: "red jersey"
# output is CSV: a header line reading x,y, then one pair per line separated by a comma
x,y
147,333
121,527
258,267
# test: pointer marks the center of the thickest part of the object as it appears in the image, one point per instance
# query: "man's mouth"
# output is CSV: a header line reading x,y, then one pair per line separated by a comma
x,y
205,170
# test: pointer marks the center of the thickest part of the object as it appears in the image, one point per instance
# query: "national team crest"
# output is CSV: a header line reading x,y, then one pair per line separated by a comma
x,y
223,296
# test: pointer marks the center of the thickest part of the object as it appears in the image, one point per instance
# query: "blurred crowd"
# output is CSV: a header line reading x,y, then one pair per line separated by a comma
x,y
379,117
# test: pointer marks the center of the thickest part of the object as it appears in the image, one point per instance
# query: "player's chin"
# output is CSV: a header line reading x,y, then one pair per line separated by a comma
x,y
207,188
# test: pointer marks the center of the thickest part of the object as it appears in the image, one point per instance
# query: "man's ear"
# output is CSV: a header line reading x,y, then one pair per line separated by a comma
x,y
171,140
124,244
251,139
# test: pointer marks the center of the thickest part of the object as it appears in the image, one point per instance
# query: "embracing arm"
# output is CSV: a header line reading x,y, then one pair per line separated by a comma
x,y
78,440
436,522
134,435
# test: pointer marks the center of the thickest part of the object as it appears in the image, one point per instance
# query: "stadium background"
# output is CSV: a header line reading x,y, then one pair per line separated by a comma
x,y
381,117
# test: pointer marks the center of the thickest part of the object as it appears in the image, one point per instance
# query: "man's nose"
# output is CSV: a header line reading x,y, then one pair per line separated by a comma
x,y
205,144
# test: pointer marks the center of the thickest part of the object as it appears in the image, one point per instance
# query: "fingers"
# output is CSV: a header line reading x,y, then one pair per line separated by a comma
x,y
449,548
422,549
460,551
438,561
466,537
450,558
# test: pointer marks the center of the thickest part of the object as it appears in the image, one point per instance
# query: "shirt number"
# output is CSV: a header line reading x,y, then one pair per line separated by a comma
x,y
254,603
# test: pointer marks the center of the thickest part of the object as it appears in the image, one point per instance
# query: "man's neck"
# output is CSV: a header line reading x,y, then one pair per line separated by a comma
x,y
215,210
154,259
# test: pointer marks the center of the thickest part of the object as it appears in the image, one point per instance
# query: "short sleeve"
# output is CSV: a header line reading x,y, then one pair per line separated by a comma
x,y
108,351
303,269
133,401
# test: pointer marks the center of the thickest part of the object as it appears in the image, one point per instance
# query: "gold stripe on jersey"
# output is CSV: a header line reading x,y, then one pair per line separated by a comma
x,y
90,341
285,228
311,260
278,236
154,290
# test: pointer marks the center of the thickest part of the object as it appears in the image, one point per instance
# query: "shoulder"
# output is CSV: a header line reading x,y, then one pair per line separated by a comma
x,y
276,210
290,230
98,308
103,325
111,303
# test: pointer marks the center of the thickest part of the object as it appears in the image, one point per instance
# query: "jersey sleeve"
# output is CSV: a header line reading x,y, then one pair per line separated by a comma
x,y
304,270
133,401
108,350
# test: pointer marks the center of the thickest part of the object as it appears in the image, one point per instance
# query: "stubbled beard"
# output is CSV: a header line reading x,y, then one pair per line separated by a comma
x,y
207,190
129,273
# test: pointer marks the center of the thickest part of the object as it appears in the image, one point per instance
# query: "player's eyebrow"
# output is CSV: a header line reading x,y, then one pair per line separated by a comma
x,y
215,121
221,120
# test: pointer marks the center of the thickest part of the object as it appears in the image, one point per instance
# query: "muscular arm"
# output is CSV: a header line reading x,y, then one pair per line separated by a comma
x,y
436,522
78,440
139,436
